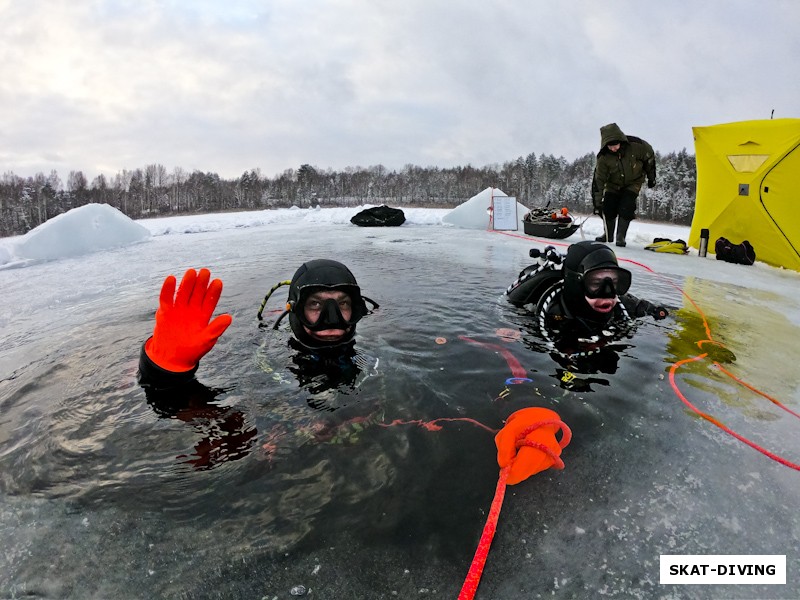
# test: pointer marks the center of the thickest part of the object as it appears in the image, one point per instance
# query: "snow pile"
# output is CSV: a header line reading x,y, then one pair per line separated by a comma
x,y
474,213
82,230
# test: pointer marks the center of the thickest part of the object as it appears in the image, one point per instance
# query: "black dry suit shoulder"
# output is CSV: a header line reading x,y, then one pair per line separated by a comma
x,y
534,280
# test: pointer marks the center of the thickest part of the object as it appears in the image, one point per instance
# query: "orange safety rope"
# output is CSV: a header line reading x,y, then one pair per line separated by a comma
x,y
719,424
675,366
473,578
482,552
756,391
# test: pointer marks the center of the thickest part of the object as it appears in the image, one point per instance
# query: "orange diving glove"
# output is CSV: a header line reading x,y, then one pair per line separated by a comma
x,y
183,334
528,443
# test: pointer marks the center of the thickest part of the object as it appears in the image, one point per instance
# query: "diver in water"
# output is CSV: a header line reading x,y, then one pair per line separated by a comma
x,y
583,308
324,305
594,293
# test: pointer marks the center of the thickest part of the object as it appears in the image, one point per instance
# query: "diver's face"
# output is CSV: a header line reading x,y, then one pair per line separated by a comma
x,y
601,286
313,307
614,147
602,305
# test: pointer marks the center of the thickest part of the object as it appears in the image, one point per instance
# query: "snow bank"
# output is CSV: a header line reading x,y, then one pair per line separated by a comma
x,y
474,213
82,230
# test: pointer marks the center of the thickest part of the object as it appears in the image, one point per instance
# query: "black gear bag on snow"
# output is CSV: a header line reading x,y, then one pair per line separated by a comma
x,y
740,254
379,216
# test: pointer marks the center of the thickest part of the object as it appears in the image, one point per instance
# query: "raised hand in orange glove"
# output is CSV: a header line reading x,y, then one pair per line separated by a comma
x,y
528,443
183,334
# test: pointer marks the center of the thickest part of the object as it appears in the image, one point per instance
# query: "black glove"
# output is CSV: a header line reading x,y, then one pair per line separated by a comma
x,y
645,308
651,183
598,206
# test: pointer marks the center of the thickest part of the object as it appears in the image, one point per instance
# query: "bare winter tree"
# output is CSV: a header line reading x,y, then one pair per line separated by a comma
x,y
536,180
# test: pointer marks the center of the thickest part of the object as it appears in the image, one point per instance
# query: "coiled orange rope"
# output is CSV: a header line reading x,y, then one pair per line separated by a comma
x,y
533,438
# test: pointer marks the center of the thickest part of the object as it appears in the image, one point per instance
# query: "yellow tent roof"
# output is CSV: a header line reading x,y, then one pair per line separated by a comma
x,y
748,187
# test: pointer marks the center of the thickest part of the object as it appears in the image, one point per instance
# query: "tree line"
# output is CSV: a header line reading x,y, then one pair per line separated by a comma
x,y
536,181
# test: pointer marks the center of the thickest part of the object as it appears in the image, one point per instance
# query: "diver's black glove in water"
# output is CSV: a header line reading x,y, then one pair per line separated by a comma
x,y
645,308
657,312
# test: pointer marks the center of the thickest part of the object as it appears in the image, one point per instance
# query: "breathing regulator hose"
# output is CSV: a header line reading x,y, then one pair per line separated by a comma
x,y
269,293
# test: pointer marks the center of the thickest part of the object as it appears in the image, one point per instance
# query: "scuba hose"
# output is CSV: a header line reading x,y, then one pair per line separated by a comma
x,y
266,298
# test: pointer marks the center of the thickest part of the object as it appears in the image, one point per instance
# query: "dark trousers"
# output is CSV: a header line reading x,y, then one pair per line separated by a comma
x,y
622,203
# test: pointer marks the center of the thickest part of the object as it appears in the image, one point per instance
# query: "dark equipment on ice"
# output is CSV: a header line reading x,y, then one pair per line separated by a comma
x,y
379,216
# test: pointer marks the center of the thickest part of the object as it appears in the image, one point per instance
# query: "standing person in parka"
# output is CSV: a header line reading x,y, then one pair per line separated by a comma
x,y
622,165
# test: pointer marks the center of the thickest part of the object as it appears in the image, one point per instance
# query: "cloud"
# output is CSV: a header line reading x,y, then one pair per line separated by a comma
x,y
108,85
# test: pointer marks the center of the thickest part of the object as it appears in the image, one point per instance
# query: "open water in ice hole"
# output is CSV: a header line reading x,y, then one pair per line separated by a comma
x,y
104,497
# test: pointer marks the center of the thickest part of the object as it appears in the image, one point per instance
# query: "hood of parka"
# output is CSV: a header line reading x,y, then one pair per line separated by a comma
x,y
611,133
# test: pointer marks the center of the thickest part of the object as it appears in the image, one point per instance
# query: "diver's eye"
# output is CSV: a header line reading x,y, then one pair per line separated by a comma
x,y
345,303
313,305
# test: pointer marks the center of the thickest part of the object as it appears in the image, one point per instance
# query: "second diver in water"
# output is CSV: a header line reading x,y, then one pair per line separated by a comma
x,y
582,307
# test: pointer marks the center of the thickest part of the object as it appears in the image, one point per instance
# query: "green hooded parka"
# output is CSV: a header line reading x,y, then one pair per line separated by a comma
x,y
625,169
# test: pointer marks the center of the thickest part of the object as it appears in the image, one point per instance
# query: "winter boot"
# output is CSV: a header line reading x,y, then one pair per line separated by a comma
x,y
622,231
609,225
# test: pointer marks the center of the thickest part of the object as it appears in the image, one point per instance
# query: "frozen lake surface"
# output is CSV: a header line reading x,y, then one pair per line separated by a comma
x,y
106,496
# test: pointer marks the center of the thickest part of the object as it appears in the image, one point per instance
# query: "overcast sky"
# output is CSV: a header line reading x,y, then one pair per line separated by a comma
x,y
227,86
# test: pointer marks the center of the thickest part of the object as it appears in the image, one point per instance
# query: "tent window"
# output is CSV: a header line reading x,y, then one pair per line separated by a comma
x,y
747,163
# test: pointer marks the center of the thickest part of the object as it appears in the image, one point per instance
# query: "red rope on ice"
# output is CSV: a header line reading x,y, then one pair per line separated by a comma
x,y
517,370
755,390
529,238
718,423
473,577
711,419
479,561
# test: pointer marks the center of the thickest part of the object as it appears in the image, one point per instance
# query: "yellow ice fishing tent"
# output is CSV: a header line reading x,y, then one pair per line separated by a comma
x,y
748,187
